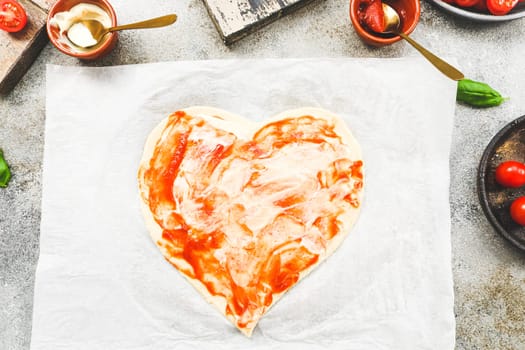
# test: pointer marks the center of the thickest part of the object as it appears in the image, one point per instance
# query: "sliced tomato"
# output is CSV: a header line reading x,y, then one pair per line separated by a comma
x,y
13,17
374,17
500,7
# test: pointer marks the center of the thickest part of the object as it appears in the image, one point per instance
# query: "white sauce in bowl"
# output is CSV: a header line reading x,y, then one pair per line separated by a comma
x,y
75,34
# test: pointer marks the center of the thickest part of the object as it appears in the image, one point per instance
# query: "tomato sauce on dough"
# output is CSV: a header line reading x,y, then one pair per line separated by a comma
x,y
247,217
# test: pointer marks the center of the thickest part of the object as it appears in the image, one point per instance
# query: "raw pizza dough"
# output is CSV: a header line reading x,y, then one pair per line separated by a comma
x,y
245,210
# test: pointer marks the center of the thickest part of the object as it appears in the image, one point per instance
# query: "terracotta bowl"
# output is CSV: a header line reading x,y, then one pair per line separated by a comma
x,y
409,11
62,44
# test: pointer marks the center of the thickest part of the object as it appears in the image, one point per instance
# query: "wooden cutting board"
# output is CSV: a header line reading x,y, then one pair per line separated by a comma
x,y
19,50
235,19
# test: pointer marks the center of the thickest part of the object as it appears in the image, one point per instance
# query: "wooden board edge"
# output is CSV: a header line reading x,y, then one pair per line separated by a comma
x,y
22,65
230,38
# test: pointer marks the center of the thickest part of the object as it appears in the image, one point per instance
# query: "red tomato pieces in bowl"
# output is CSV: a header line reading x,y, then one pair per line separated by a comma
x,y
494,7
371,15
13,17
500,7
467,3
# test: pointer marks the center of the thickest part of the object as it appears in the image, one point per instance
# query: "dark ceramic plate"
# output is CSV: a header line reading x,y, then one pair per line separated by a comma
x,y
508,144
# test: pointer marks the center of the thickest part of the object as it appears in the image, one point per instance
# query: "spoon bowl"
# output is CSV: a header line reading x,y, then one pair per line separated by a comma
x,y
97,31
392,20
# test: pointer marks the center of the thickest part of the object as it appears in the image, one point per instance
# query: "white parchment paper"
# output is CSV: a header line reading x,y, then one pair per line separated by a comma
x,y
101,283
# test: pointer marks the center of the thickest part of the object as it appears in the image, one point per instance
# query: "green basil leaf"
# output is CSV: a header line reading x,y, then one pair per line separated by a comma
x,y
5,173
478,94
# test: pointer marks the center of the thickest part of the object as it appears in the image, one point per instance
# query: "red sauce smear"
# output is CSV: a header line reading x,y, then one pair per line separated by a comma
x,y
211,233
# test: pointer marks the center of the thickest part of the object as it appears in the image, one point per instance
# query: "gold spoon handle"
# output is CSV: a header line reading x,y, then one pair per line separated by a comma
x,y
150,23
443,66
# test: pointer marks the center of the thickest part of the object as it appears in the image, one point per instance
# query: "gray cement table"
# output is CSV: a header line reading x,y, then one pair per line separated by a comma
x,y
489,274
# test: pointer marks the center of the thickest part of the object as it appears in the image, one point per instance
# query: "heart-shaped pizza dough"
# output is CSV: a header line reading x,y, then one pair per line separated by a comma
x,y
245,210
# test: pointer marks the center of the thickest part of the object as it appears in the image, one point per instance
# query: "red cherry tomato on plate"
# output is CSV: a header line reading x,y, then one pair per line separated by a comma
x,y
511,174
481,6
501,7
517,210
13,17
467,3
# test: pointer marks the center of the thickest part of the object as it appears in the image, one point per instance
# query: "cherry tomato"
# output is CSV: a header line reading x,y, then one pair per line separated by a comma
x,y
517,210
500,7
511,174
467,3
481,6
13,17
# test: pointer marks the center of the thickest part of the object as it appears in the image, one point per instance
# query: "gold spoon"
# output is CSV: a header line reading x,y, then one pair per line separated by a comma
x,y
98,30
393,24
